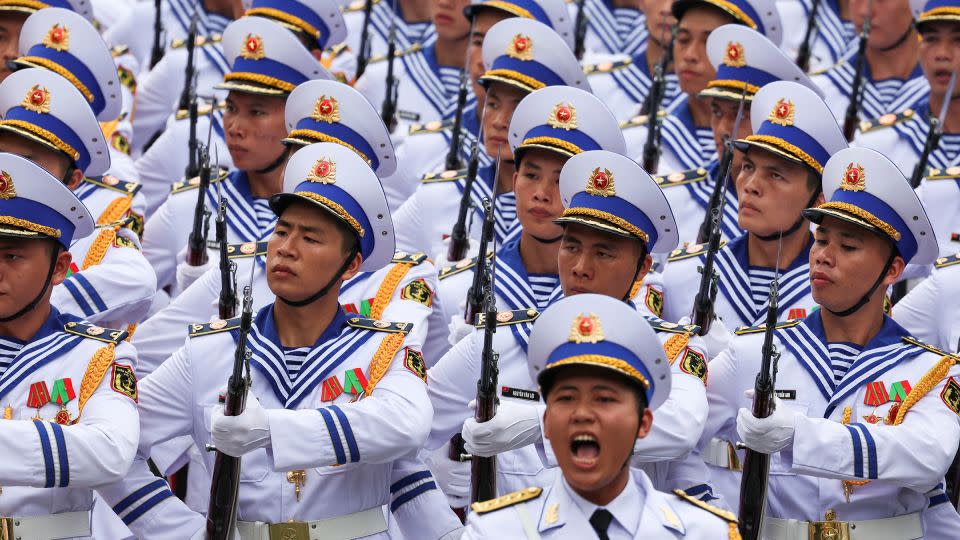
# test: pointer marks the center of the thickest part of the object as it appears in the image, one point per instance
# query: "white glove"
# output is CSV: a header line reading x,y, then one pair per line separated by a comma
x,y
514,426
453,477
458,329
767,435
238,435
187,274
717,339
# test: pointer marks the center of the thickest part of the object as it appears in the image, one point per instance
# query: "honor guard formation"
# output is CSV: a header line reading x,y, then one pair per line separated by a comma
x,y
479,269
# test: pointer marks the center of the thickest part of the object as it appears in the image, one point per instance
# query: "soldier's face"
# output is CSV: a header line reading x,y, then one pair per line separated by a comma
x,y
772,192
502,100
595,262
53,161
23,268
254,128
659,20
483,21
890,20
10,24
845,261
449,20
537,187
693,68
940,55
592,423
723,115
305,251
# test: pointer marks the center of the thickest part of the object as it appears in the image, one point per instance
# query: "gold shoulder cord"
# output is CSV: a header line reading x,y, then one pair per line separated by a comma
x,y
99,364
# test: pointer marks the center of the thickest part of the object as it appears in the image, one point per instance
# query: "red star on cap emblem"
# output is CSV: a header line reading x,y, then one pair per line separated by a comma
x,y
7,191
734,55
57,38
521,47
324,171
854,178
252,48
327,110
586,329
37,100
563,116
782,113
586,326
601,183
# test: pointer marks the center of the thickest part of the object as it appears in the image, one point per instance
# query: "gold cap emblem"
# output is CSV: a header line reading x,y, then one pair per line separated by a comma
x,y
326,110
324,171
57,38
520,48
252,48
7,191
734,55
586,329
601,183
37,100
563,116
854,179
782,113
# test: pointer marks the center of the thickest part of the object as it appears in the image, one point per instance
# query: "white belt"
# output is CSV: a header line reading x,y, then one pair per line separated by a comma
x,y
905,527
357,525
49,527
721,453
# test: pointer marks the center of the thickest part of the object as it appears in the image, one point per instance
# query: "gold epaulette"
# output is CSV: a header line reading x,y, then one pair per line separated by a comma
x,y
682,178
356,5
445,176
887,120
213,327
378,325
660,325
119,50
506,318
416,47
194,183
115,184
640,120
92,331
607,67
246,249
943,262
950,173
414,259
693,250
462,266
509,499
762,327
203,109
935,350
430,127
729,517
200,41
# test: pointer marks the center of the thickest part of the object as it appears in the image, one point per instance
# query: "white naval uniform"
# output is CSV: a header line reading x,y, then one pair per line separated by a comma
x,y
558,512
831,34
378,32
347,447
904,464
683,145
167,231
50,468
689,193
423,221
612,30
930,311
135,29
623,82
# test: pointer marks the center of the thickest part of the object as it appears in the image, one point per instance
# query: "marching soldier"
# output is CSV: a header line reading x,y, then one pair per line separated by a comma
x,y
902,136
68,387
603,383
686,138
521,56
268,63
866,422
335,399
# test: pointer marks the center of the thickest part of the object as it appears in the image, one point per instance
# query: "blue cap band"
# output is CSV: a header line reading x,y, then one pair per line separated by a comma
x,y
617,207
57,127
796,137
349,205
343,133
603,348
76,68
528,68
573,136
907,245
36,212
300,11
269,68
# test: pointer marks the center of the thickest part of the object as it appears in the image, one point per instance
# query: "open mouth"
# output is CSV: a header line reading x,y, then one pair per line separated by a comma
x,y
585,450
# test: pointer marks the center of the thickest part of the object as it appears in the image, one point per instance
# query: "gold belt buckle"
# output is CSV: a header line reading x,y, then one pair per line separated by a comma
x,y
291,530
831,529
6,529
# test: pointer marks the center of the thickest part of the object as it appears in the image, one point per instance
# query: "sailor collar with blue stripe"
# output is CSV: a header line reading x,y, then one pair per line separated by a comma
x,y
733,265
207,25
334,346
636,80
514,289
807,342
602,22
505,209
242,217
914,88
470,130
679,134
915,131
383,13
701,192
832,30
423,71
48,343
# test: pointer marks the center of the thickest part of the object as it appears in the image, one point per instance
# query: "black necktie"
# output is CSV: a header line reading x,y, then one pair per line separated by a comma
x,y
600,521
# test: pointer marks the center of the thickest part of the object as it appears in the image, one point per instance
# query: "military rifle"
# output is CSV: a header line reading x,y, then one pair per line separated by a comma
x,y
803,54
459,242
756,465
580,29
934,133
188,98
225,481
197,241
453,155
707,293
156,52
363,54
227,302
651,148
852,116
388,110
